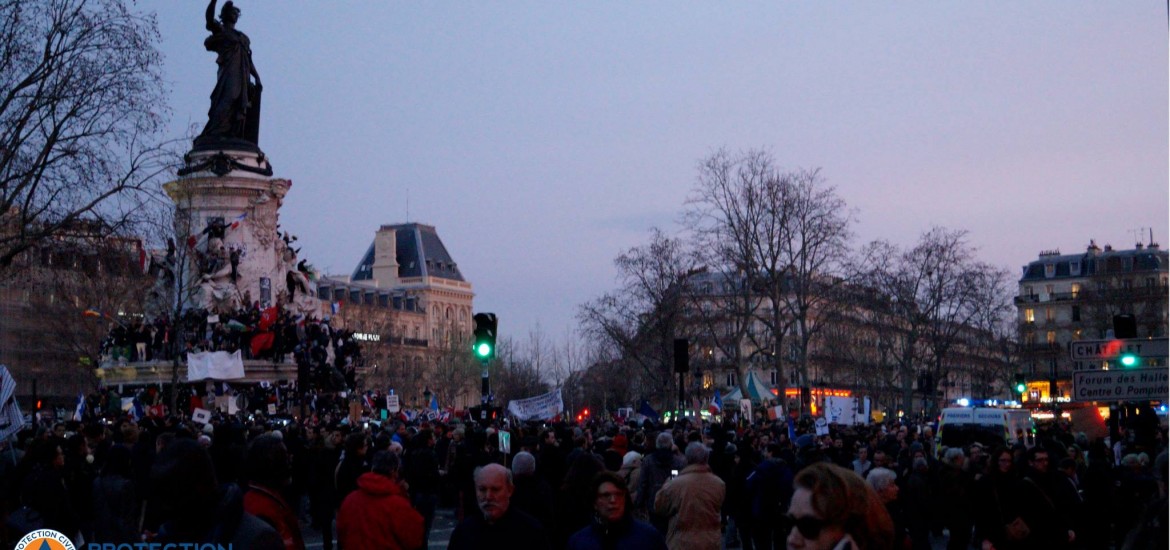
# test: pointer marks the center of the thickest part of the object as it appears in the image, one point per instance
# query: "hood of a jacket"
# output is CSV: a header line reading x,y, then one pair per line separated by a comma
x,y
378,485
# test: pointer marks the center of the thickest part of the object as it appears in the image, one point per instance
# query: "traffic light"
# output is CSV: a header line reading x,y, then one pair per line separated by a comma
x,y
484,346
1021,383
1129,360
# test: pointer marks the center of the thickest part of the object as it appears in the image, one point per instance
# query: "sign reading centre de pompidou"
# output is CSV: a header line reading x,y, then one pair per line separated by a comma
x,y
541,407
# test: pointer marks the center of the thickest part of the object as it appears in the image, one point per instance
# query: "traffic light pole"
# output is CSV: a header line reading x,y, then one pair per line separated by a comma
x,y
485,387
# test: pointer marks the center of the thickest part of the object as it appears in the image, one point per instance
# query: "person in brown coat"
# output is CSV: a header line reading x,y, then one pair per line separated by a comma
x,y
691,503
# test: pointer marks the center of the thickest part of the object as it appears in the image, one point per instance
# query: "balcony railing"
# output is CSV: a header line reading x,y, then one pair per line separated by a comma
x,y
1028,299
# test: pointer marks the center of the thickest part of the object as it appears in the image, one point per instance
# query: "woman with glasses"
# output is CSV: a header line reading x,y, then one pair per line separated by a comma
x,y
834,509
999,522
612,526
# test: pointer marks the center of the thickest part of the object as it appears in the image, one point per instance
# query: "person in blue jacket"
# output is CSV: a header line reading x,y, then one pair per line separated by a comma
x,y
612,527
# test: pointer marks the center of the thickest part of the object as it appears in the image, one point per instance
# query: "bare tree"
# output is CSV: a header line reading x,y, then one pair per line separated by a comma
x,y
81,111
733,217
931,293
641,319
786,237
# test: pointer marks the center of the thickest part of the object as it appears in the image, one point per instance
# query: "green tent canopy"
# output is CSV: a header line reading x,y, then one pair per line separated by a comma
x,y
758,391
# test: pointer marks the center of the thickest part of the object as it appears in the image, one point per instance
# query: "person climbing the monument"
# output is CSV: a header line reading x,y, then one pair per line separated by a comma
x,y
231,99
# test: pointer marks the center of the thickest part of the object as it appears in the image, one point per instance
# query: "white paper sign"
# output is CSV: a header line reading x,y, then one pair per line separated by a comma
x,y
217,365
272,408
392,405
202,416
745,409
822,426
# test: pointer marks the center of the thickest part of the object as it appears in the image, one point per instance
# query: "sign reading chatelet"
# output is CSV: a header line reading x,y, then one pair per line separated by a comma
x,y
1121,385
1097,350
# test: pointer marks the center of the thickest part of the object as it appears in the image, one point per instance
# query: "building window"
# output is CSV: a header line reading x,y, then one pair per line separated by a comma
x,y
1029,338
1049,314
1049,289
732,379
1029,315
1050,336
774,377
1074,268
1076,313
1149,282
1076,289
1049,271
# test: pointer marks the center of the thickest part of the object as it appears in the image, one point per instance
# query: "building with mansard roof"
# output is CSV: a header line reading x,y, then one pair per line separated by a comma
x,y
1068,297
409,304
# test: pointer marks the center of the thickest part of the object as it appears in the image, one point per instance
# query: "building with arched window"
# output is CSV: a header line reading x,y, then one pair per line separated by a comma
x,y
408,303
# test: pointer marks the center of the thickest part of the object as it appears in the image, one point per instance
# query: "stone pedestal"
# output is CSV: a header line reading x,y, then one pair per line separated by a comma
x,y
227,210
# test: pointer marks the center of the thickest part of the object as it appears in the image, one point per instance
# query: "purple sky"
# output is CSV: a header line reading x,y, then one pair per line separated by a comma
x,y
542,139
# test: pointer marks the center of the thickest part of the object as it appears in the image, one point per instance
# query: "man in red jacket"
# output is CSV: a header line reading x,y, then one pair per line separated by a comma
x,y
378,514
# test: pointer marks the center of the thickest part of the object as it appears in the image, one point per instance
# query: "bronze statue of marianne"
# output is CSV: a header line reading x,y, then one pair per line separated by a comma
x,y
234,117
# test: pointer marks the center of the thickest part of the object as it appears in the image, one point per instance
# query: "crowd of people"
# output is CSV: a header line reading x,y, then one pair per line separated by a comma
x,y
257,333
261,483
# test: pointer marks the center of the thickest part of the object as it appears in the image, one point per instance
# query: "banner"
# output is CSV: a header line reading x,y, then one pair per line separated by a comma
x,y
11,419
217,365
541,407
846,410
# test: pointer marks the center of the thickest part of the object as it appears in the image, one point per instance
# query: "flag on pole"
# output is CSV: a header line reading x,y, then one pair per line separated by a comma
x,y
434,401
79,411
716,405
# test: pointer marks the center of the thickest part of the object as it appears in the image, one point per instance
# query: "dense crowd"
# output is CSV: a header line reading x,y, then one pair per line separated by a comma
x,y
255,332
259,483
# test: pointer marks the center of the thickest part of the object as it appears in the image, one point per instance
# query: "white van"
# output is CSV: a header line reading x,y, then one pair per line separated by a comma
x,y
962,426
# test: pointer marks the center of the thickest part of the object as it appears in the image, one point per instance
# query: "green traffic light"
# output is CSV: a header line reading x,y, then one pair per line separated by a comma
x,y
1129,360
1020,388
483,349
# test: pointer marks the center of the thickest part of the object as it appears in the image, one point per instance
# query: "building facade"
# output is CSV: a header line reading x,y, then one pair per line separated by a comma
x,y
410,307
58,303
1067,297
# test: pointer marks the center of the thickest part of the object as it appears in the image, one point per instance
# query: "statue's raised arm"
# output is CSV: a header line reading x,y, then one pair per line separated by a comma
x,y
212,24
233,120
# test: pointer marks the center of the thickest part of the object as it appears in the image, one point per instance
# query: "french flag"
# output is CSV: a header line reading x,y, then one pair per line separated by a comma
x,y
716,405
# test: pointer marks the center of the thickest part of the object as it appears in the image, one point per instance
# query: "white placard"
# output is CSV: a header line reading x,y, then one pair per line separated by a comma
x,y
202,416
272,408
392,405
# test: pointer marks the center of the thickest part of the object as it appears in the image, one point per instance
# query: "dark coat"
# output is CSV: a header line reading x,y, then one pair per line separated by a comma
x,y
626,534
514,530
